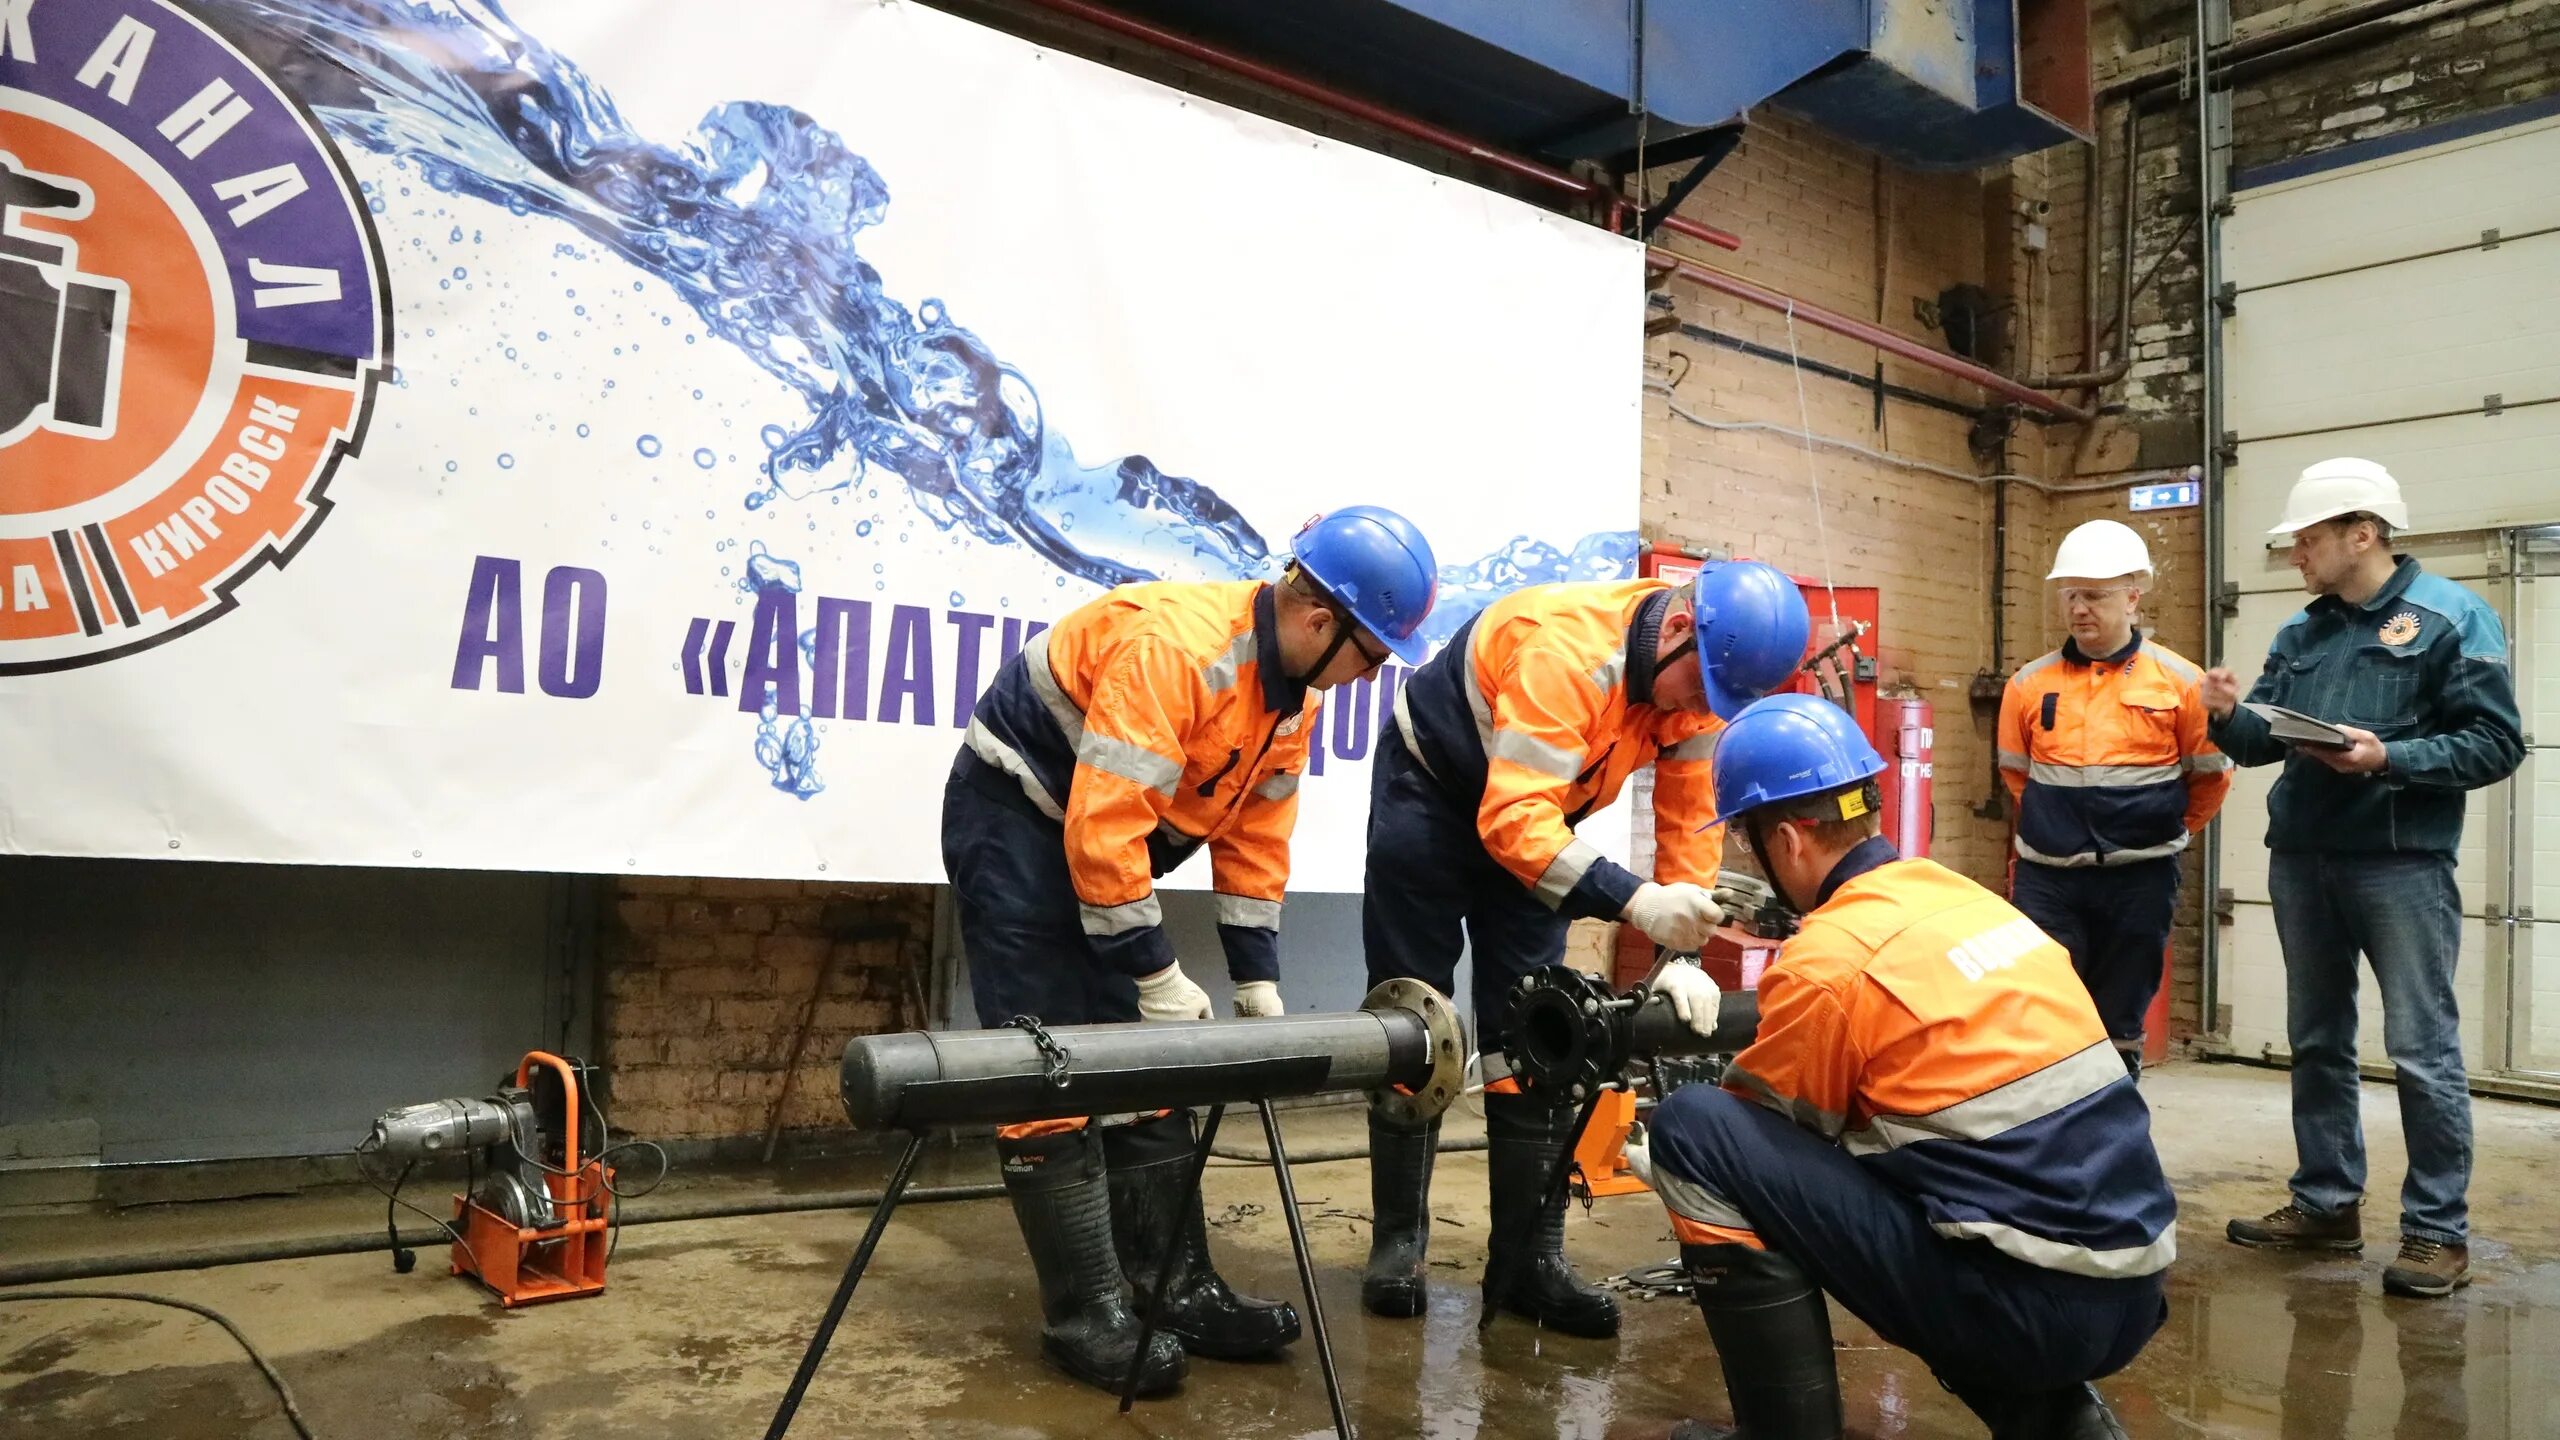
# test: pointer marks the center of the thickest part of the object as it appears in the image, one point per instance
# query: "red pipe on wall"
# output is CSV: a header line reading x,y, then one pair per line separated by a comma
x,y
1872,334
1393,121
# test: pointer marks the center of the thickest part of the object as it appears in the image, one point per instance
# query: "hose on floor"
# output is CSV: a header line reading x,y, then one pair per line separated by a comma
x,y
292,1412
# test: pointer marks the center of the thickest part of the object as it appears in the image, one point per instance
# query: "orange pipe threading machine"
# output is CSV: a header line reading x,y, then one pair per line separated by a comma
x,y
514,1247
530,1228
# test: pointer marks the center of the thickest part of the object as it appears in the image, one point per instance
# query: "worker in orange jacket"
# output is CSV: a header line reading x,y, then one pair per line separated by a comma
x,y
2103,747
1153,721
1530,719
1931,1126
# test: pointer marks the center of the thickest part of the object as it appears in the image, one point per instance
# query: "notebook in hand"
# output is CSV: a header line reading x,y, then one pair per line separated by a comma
x,y
2294,728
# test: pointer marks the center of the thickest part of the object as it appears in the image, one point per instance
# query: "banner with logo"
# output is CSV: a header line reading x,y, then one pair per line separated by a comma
x,y
626,436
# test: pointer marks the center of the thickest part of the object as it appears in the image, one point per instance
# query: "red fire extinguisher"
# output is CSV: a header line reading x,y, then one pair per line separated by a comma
x,y
1910,735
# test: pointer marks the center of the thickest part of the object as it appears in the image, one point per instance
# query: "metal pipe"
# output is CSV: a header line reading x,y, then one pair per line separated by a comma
x,y
2281,48
365,1242
2114,480
2099,376
1829,371
2208,358
2337,38
1566,1033
1409,1038
2092,173
1370,112
1871,334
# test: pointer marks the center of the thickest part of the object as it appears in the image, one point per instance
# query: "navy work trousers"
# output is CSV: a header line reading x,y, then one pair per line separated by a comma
x,y
2114,919
1019,923
1430,891
1976,1316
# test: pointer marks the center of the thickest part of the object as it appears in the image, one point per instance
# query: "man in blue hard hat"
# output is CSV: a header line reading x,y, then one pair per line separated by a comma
x,y
1932,1126
1530,719
1150,722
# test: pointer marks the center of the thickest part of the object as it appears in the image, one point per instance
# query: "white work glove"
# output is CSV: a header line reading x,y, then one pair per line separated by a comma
x,y
1169,994
1679,916
1693,993
1639,1153
1258,997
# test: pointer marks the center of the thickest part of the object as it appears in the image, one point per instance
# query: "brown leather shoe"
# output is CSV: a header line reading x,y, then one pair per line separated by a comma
x,y
2427,1269
2294,1228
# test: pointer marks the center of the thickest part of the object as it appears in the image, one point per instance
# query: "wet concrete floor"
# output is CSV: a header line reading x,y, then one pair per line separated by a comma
x,y
703,1322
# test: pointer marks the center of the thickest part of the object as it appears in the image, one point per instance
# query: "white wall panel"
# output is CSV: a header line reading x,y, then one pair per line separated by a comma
x,y
2461,473
2400,205
2537,981
2395,342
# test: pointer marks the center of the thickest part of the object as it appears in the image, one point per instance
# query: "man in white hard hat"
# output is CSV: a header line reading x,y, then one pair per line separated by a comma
x,y
2412,668
2104,749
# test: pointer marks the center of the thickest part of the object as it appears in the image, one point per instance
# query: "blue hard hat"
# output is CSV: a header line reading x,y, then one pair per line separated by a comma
x,y
1379,567
1752,631
1785,748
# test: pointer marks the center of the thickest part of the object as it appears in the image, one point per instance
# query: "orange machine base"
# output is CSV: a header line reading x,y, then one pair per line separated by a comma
x,y
1602,1153
527,1267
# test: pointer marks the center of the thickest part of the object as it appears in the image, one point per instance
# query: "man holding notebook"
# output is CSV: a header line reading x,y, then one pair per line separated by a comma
x,y
2411,671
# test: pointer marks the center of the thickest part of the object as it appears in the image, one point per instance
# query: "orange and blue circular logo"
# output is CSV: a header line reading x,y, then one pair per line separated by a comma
x,y
194,313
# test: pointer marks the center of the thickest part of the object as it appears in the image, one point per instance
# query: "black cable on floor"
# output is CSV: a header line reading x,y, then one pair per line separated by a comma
x,y
292,1412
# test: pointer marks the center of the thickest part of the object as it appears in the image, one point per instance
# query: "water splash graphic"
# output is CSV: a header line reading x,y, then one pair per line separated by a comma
x,y
789,753
1466,589
752,221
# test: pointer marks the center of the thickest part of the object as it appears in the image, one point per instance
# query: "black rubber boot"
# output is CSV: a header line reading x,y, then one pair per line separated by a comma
x,y
2075,1412
1063,1202
1150,1167
1773,1337
1400,1201
1525,1269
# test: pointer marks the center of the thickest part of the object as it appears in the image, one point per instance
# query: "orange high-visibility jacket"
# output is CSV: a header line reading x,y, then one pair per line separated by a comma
x,y
2108,760
1148,722
1945,1041
1530,714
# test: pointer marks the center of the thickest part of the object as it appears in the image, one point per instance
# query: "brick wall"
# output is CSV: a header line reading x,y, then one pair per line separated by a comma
x,y
706,981
1827,223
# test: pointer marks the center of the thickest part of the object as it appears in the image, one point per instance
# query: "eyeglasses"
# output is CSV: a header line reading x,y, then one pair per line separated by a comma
x,y
2076,595
1375,660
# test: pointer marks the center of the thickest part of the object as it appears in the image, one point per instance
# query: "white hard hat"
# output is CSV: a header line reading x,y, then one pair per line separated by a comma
x,y
2344,486
2100,550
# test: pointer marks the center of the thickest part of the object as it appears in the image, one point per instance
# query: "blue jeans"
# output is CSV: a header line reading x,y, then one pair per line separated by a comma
x,y
2402,913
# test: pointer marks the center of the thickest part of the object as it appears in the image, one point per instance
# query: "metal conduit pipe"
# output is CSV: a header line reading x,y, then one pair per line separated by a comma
x,y
1370,112
2114,370
2276,50
362,1242
1870,333
2116,480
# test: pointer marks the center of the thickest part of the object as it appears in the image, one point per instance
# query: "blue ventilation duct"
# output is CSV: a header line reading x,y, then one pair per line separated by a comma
x,y
1929,84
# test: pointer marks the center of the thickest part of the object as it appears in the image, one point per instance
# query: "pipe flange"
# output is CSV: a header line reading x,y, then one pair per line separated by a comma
x,y
1440,1085
1563,1032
